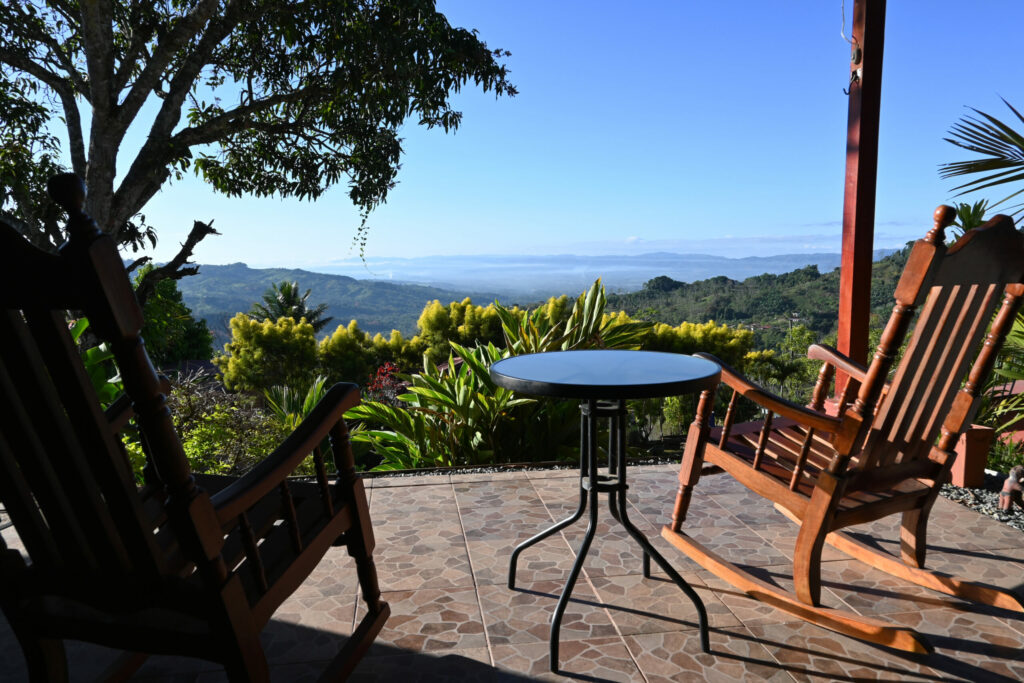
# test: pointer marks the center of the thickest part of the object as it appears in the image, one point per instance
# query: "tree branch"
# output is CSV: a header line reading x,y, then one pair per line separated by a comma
x,y
76,144
149,80
38,32
149,168
97,38
179,266
36,70
141,261
236,120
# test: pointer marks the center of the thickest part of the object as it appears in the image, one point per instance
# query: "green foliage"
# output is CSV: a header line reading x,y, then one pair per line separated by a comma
x,y
1002,151
454,416
460,322
291,405
586,326
731,344
1001,409
676,414
766,304
29,156
263,354
221,432
1005,454
644,416
969,216
99,365
171,333
254,98
282,300
351,355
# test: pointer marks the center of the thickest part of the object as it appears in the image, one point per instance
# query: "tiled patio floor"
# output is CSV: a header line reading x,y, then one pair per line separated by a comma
x,y
443,544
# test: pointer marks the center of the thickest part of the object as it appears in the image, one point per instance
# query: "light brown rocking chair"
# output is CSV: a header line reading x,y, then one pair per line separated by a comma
x,y
889,449
165,567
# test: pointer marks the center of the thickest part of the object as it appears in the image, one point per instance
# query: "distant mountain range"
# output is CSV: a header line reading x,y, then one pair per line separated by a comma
x,y
391,293
537,277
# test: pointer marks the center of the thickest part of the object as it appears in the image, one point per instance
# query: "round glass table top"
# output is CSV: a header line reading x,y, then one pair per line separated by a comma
x,y
606,373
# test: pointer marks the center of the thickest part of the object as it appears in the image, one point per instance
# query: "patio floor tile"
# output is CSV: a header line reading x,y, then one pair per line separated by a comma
x,y
809,653
394,501
421,565
524,615
495,494
551,559
443,549
657,605
735,656
430,620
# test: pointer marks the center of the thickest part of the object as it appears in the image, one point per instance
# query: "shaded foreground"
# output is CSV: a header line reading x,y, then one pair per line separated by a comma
x,y
443,544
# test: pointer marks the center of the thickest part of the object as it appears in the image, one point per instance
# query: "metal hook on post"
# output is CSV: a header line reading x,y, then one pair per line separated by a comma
x,y
854,78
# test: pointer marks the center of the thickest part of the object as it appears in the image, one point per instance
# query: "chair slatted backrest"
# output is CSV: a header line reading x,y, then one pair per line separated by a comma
x,y
64,478
935,390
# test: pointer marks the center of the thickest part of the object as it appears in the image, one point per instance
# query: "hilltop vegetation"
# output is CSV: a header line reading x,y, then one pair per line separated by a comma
x,y
770,303
217,293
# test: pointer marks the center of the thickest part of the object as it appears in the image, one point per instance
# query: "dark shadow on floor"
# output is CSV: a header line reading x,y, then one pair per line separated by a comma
x,y
295,654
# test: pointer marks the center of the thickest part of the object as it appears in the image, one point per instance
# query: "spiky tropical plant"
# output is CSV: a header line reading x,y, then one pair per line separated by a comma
x,y
291,405
1002,151
282,300
969,216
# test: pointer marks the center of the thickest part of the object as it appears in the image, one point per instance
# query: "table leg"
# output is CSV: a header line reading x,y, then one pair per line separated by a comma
x,y
648,549
615,485
558,526
590,447
617,410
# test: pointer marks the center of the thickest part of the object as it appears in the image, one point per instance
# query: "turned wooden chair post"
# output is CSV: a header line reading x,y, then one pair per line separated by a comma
x,y
693,457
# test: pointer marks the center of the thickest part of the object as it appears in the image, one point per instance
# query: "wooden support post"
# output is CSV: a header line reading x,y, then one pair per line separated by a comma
x,y
868,36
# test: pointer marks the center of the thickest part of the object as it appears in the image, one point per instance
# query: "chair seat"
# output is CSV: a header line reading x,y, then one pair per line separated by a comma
x,y
781,451
781,454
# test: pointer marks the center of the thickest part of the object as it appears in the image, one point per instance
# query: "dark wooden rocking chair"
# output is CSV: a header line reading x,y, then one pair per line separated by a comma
x,y
889,449
162,568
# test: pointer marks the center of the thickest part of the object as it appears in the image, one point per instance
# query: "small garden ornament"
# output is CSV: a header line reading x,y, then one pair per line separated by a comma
x,y
1012,489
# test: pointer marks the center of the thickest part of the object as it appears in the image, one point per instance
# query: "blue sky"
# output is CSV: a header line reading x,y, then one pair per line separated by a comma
x,y
651,126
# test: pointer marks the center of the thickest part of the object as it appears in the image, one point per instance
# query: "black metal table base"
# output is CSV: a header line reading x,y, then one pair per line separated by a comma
x,y
615,485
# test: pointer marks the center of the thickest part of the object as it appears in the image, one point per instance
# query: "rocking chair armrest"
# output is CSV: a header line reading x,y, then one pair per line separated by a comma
x,y
239,496
827,354
778,405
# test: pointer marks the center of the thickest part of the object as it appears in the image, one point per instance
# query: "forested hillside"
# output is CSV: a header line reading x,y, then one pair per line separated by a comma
x,y
219,292
770,303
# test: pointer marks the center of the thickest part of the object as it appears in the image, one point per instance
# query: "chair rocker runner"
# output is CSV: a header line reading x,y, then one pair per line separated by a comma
x,y
891,446
165,567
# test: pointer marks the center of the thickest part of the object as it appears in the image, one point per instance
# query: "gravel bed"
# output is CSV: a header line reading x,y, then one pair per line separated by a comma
x,y
986,500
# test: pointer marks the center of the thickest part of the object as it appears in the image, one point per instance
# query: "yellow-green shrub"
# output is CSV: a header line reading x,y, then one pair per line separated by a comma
x,y
262,354
731,344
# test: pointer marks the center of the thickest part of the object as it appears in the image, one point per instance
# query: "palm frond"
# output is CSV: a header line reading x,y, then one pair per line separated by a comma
x,y
1001,148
